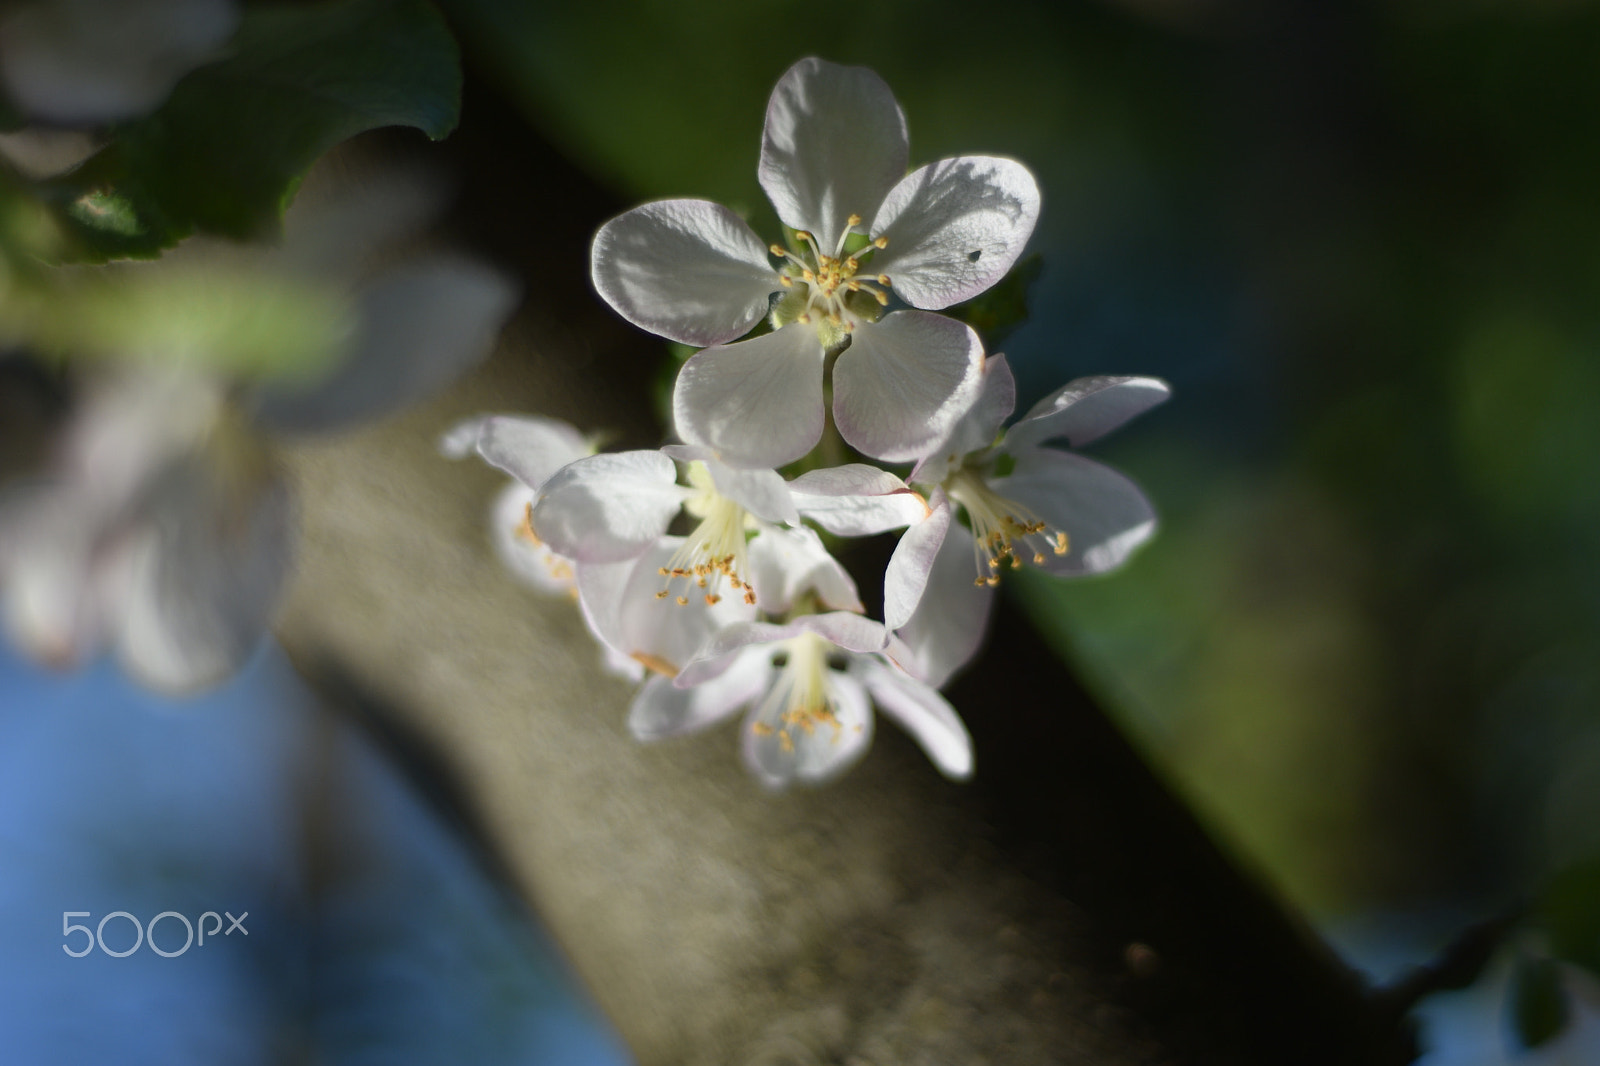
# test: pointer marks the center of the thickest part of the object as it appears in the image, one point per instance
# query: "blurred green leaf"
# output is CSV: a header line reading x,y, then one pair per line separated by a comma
x,y
1569,911
240,323
226,152
1538,1002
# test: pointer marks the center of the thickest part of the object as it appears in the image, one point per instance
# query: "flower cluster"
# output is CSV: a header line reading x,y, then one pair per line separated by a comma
x,y
746,608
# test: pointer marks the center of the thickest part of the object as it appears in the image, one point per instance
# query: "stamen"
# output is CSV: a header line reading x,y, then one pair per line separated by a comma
x,y
799,702
713,555
1002,529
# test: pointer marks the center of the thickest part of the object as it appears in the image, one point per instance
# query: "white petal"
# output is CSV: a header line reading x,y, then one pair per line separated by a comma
x,y
757,403
834,145
851,632
851,479
52,578
856,500
621,607
923,713
978,428
763,493
779,754
529,559
719,653
912,562
461,439
91,62
662,633
601,587
608,507
131,425
903,383
530,448
205,582
662,709
421,325
949,624
688,270
787,563
1104,514
955,227
1086,410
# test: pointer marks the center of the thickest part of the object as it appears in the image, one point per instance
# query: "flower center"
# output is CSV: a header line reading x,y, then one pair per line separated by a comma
x,y
827,282
799,699
1004,531
714,553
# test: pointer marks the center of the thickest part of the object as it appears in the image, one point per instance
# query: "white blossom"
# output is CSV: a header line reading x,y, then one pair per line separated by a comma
x,y
79,62
163,530
809,685
833,161
1027,503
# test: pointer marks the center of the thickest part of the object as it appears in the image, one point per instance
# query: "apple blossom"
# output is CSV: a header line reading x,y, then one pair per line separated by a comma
x,y
833,161
810,685
1028,503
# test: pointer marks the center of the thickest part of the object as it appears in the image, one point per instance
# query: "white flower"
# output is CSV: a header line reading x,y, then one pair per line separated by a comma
x,y
833,161
78,62
164,530
612,507
530,449
810,685
1027,503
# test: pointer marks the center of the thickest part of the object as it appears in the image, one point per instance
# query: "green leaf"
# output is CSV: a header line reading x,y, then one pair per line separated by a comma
x,y
1538,1002
1569,911
226,151
240,323
1003,307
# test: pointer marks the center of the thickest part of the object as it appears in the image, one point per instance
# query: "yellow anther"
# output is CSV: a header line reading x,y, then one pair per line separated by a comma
x,y
661,595
801,235
683,601
778,250
712,599
804,318
853,220
883,279
881,243
882,298
786,281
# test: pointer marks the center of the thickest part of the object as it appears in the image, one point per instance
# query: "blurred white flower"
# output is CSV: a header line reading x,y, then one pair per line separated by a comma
x,y
833,161
164,530
82,62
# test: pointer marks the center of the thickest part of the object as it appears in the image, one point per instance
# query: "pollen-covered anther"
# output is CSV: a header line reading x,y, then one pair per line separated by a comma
x,y
525,529
1004,533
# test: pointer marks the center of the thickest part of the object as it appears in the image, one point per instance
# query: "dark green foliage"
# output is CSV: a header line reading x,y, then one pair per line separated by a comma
x,y
227,150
